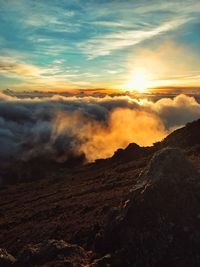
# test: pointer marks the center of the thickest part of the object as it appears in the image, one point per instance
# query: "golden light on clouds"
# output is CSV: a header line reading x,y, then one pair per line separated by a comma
x,y
166,65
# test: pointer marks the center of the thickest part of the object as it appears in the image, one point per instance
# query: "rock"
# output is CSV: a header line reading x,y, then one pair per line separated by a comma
x,y
53,252
131,152
159,225
168,163
6,259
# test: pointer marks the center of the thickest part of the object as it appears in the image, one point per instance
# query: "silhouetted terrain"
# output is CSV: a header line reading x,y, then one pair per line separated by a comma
x,y
140,207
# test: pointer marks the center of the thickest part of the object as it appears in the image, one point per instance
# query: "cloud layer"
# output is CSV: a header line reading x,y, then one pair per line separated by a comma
x,y
58,127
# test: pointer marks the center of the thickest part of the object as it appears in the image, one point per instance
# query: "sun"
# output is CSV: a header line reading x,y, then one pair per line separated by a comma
x,y
139,81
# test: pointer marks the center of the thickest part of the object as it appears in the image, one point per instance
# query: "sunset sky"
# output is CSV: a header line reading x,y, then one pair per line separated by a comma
x,y
130,45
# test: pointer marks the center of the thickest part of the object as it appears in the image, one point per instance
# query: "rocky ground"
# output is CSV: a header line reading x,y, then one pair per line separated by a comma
x,y
139,208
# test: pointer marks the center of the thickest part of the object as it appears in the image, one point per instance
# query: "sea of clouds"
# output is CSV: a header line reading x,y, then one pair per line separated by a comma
x,y
58,127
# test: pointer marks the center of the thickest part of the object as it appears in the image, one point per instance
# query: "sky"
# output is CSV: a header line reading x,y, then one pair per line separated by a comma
x,y
129,45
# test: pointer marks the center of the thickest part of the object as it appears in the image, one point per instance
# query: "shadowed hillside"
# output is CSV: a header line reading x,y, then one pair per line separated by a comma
x,y
137,208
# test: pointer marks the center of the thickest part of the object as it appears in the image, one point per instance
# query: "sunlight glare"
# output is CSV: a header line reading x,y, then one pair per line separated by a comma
x,y
139,81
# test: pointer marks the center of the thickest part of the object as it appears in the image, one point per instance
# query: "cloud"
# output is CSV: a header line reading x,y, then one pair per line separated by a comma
x,y
58,127
51,75
169,63
40,14
106,44
10,66
110,24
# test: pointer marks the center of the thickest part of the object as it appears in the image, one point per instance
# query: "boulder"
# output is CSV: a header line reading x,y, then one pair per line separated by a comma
x,y
159,225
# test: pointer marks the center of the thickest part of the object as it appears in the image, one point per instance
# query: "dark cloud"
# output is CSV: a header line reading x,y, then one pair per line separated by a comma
x,y
58,127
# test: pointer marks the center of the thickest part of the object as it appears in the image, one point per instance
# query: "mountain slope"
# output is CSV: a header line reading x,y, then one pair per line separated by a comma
x,y
187,136
74,204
